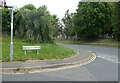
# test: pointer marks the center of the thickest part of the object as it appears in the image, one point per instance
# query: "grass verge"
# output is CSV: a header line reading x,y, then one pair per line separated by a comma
x,y
103,42
47,51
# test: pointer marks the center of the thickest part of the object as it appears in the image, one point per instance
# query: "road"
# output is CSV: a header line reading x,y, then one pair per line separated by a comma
x,y
104,68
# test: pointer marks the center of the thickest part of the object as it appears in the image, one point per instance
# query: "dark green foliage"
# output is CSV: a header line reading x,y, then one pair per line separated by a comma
x,y
6,19
69,25
28,7
117,21
34,25
55,26
31,24
92,18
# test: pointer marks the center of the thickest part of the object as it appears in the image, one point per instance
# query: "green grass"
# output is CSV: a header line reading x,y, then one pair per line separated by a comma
x,y
104,42
47,51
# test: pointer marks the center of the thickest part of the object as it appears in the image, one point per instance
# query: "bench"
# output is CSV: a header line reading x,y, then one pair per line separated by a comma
x,y
25,48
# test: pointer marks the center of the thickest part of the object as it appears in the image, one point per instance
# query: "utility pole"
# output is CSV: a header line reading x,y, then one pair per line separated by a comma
x,y
11,42
3,2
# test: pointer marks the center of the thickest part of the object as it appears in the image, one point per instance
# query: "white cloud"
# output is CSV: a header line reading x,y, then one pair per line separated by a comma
x,y
57,7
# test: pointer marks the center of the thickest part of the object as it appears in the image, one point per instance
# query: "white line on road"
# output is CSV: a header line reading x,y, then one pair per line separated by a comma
x,y
108,59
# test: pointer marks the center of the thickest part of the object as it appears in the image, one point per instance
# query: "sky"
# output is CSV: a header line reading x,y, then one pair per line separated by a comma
x,y
57,7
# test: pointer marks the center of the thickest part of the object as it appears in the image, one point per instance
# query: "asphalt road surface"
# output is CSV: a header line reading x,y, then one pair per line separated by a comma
x,y
104,68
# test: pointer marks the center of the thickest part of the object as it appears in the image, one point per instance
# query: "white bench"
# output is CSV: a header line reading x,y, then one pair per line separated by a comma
x,y
25,48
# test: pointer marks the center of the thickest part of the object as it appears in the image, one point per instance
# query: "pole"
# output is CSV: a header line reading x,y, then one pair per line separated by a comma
x,y
11,42
3,3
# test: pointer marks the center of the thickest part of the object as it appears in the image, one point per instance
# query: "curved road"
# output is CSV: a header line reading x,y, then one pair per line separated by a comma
x,y
104,68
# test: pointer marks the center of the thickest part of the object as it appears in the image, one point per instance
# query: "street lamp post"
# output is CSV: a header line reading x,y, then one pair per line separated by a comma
x,y
11,40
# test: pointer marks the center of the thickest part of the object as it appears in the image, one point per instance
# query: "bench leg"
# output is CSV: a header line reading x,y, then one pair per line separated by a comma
x,y
25,52
37,52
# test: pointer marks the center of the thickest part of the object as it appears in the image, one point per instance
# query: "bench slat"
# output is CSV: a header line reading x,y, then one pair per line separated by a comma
x,y
31,47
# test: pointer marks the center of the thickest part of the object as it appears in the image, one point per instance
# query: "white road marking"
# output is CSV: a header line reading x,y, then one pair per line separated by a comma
x,y
108,59
98,56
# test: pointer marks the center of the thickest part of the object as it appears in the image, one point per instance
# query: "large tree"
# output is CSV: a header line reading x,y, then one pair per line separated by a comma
x,y
28,7
92,18
31,24
35,25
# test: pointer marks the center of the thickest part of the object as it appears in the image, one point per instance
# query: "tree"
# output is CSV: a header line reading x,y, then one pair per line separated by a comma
x,y
6,19
92,18
35,25
54,26
69,25
117,21
28,7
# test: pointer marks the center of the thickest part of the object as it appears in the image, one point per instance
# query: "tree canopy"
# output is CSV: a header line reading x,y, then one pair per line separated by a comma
x,y
28,7
92,18
117,21
31,24
69,29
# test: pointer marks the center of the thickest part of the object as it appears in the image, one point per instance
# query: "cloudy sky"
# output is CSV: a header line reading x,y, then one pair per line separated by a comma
x,y
57,7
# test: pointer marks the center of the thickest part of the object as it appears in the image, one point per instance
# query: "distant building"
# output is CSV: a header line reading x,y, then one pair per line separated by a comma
x,y
1,3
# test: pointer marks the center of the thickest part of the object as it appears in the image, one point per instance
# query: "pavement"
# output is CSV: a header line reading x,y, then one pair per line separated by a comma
x,y
81,58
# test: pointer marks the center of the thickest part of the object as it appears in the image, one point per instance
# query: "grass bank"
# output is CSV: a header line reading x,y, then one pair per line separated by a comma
x,y
104,42
47,51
